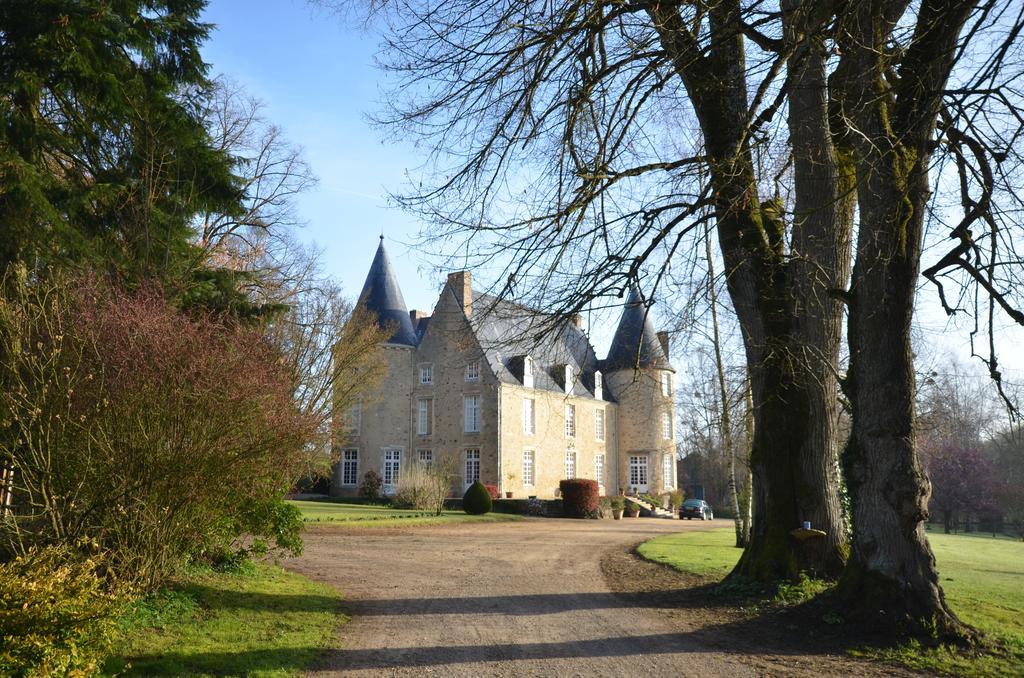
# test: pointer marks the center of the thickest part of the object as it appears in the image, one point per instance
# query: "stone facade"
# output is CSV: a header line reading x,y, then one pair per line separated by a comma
x,y
458,385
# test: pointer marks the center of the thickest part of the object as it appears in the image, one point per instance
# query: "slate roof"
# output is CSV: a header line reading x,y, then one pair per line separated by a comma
x,y
508,331
383,297
635,344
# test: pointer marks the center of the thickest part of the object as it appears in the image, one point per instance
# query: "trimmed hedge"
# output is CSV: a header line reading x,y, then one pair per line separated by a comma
x,y
580,497
477,500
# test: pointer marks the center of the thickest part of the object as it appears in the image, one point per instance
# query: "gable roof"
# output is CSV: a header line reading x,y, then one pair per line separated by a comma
x,y
507,331
383,297
636,344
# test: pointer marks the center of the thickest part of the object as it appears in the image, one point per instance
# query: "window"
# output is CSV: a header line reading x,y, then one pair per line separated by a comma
x,y
599,469
425,416
666,384
666,426
392,466
425,457
471,414
638,472
666,472
528,372
473,371
349,467
353,419
570,421
568,378
528,464
529,416
426,374
599,424
472,465
570,464
598,386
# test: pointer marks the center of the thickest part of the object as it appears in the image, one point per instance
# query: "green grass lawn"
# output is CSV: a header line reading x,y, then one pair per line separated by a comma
x,y
262,621
367,515
983,579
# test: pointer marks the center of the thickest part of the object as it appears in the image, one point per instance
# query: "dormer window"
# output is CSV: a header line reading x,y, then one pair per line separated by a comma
x,y
568,378
598,386
473,371
528,372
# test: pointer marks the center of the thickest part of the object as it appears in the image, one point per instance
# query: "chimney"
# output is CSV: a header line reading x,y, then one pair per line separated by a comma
x,y
663,340
461,283
416,317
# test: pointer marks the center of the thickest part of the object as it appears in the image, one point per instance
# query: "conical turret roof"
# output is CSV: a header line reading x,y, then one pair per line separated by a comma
x,y
636,344
382,296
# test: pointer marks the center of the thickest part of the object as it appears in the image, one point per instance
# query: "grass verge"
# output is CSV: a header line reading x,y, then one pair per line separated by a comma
x,y
366,515
983,579
259,621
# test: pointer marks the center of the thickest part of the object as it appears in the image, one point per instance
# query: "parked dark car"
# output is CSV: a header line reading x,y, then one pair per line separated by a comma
x,y
696,508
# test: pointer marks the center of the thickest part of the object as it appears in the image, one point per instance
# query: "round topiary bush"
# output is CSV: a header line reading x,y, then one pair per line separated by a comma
x,y
477,500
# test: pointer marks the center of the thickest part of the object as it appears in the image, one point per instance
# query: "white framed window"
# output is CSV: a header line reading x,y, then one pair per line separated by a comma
x,y
425,457
666,384
473,371
471,414
599,424
598,386
528,372
570,421
529,416
426,373
666,426
425,416
568,378
352,420
472,465
392,467
666,472
638,472
349,467
599,469
529,461
570,464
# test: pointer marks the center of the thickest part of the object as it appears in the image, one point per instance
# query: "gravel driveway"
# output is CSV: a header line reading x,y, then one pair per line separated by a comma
x,y
535,598
504,599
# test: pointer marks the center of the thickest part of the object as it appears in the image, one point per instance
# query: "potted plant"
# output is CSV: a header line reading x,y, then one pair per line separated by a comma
x,y
511,477
632,510
618,504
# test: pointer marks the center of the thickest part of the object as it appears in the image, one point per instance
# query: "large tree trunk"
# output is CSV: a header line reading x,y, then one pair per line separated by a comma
x,y
793,455
891,577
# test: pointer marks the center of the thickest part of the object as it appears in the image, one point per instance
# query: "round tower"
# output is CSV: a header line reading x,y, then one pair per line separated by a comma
x,y
640,377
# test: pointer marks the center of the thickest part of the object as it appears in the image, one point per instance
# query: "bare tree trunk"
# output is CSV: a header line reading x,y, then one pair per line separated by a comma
x,y
725,420
748,504
891,578
791,481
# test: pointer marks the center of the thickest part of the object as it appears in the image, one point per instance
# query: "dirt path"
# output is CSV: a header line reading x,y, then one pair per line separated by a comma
x,y
522,599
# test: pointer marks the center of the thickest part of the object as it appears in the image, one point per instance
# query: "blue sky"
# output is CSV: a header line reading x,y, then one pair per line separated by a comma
x,y
316,76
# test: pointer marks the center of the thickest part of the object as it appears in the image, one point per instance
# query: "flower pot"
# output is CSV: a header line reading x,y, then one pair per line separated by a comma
x,y
633,514
508,495
617,514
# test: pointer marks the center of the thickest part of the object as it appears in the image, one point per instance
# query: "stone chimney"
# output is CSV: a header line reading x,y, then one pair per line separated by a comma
x,y
663,340
416,317
461,283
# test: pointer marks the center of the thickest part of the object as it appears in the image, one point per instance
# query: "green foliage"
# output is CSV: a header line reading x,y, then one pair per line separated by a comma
x,y
55,617
364,515
372,485
617,503
477,500
675,498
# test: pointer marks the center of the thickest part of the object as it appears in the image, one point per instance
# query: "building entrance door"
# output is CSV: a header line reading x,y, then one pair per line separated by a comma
x,y
638,472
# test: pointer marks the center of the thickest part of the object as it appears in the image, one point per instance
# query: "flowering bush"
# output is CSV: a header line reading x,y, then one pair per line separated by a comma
x,y
580,497
493,491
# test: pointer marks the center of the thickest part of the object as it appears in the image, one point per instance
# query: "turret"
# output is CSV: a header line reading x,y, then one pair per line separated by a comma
x,y
640,377
382,296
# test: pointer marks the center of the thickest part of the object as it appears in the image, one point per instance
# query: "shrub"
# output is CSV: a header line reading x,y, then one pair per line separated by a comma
x,y
372,485
425,487
675,498
617,503
55,618
493,491
580,497
160,435
477,500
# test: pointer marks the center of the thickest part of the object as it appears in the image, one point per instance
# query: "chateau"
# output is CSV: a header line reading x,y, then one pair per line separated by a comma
x,y
473,381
